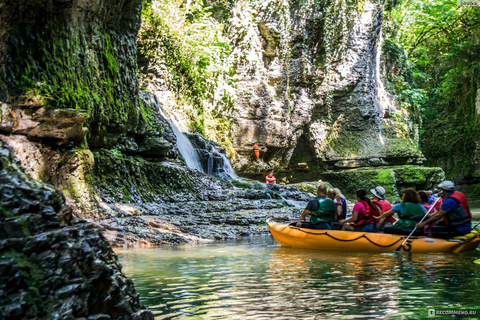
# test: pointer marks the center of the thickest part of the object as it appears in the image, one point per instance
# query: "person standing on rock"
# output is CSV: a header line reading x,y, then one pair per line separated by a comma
x,y
456,211
321,210
270,179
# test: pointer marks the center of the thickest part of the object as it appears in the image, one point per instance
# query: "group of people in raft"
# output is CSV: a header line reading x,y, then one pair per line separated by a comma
x,y
450,216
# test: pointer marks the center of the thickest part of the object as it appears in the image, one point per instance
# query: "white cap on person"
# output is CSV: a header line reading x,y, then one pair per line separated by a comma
x,y
379,192
447,185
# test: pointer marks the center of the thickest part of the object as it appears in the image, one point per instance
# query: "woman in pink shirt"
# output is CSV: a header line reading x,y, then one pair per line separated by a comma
x,y
362,218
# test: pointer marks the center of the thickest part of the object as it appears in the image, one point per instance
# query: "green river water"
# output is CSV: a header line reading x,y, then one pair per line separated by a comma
x,y
255,278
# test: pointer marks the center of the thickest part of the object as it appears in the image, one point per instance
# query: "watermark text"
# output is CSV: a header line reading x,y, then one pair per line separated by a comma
x,y
468,3
447,312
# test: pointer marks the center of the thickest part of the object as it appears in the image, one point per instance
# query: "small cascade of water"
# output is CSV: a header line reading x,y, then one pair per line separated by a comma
x,y
210,164
188,152
227,170
202,155
214,159
296,204
185,147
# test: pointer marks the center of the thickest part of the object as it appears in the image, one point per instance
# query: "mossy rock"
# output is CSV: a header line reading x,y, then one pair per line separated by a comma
x,y
472,191
393,179
311,187
134,179
245,183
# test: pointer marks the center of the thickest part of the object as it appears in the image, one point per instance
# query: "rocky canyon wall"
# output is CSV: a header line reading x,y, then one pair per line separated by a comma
x,y
308,88
69,93
53,266
311,96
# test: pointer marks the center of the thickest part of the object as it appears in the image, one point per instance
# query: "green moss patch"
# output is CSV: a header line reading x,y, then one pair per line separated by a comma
x,y
393,179
134,179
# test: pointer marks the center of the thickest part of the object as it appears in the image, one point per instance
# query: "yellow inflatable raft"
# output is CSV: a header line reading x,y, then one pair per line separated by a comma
x,y
365,241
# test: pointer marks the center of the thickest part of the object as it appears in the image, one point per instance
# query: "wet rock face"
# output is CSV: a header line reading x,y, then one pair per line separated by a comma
x,y
52,266
212,156
309,91
78,58
61,125
68,84
211,210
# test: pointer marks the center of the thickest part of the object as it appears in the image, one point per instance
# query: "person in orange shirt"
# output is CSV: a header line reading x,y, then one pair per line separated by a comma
x,y
270,178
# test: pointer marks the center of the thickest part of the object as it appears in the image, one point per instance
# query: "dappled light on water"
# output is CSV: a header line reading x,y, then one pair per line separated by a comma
x,y
257,279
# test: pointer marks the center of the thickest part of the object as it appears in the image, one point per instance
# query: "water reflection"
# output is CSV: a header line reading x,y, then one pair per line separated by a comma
x,y
257,279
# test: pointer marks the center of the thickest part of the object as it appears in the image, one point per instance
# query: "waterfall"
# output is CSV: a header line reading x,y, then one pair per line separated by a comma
x,y
218,164
184,146
226,170
188,152
202,155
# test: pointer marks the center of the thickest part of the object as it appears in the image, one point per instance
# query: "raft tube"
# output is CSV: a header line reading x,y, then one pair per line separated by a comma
x,y
289,236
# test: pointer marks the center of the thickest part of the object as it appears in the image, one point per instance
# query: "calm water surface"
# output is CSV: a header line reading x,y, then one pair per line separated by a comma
x,y
257,279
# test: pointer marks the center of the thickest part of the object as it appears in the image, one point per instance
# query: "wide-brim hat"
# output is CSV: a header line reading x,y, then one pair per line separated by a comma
x,y
379,192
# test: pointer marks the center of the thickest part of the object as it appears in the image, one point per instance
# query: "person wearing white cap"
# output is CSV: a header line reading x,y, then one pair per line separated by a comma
x,y
456,211
410,212
382,206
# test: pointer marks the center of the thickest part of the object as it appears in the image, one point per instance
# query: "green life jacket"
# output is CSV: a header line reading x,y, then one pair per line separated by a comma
x,y
325,212
411,215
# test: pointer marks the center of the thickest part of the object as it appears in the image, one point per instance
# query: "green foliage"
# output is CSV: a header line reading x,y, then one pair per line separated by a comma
x,y
183,38
442,42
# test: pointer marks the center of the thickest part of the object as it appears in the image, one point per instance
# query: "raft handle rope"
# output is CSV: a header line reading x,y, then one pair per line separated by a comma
x,y
347,240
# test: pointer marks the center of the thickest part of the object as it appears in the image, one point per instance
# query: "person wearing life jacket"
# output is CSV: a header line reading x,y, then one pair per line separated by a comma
x,y
256,150
270,179
362,215
382,206
454,209
431,198
321,210
410,211
340,203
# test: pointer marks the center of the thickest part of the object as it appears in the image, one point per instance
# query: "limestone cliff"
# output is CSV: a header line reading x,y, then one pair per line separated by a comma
x,y
68,87
308,88
319,100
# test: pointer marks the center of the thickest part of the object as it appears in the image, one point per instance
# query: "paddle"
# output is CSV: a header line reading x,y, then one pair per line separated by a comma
x,y
426,214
